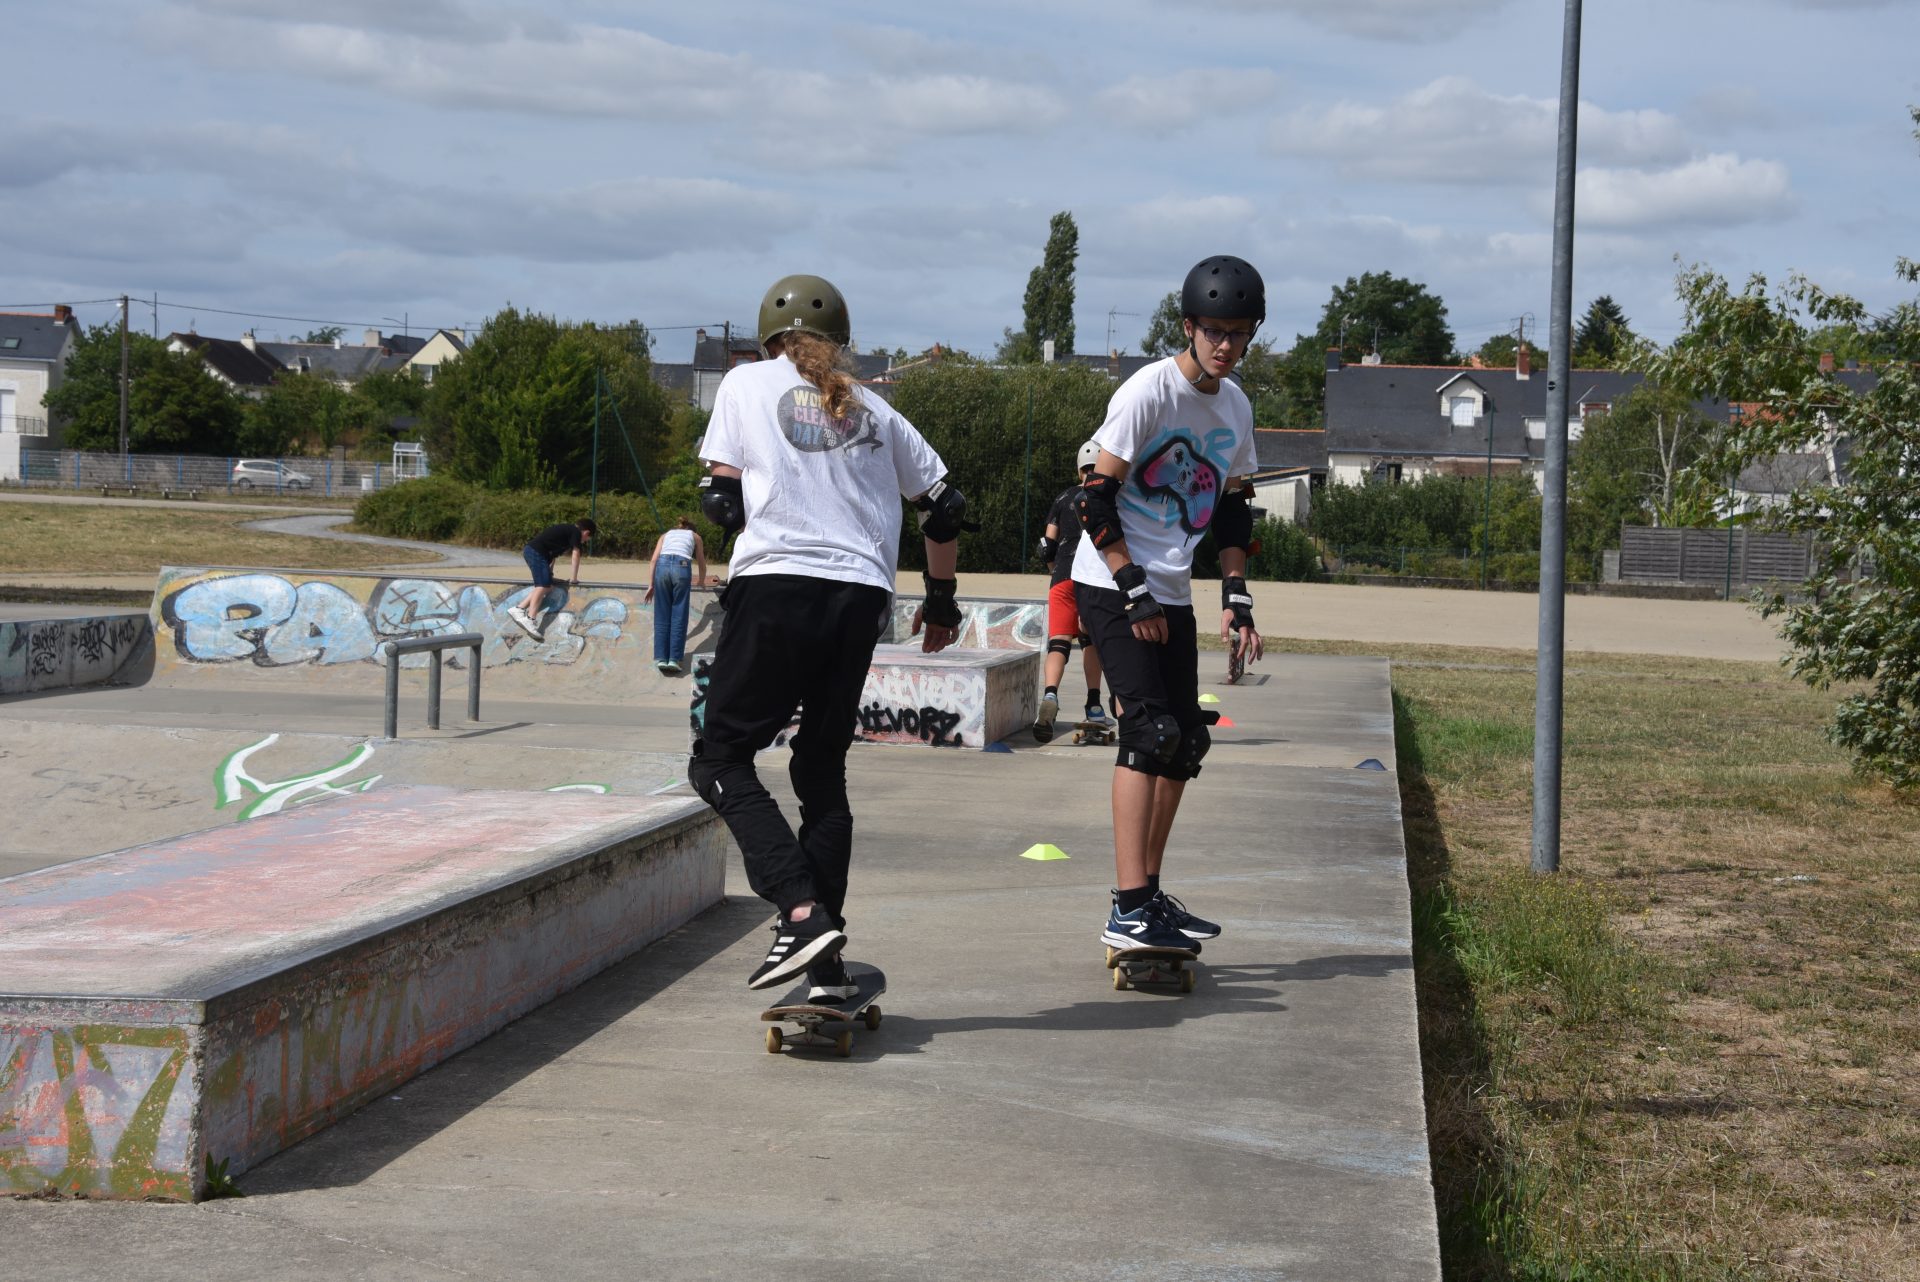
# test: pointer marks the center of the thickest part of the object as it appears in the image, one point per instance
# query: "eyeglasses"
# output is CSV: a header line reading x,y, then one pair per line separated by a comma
x,y
1222,337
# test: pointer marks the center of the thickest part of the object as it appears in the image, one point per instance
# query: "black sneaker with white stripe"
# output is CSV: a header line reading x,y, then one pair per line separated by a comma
x,y
830,982
1183,921
796,945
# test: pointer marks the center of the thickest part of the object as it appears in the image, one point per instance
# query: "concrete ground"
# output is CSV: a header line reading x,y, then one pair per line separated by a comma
x,y
1012,1117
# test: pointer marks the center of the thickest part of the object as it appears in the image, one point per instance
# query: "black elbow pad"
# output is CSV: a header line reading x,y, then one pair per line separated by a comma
x,y
1233,520
722,502
943,513
1097,505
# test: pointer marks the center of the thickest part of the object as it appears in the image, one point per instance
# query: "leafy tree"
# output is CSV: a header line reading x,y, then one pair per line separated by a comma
x,y
1637,465
1049,301
1410,322
1165,334
517,410
325,334
173,404
1502,350
978,417
1854,624
1286,390
1602,338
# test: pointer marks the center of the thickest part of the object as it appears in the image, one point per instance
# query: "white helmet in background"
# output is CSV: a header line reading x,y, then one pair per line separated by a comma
x,y
1089,455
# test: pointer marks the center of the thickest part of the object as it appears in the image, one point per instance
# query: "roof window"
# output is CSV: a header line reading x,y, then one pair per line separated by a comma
x,y
9,343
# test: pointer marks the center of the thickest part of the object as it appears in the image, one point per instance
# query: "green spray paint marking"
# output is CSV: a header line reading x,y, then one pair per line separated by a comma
x,y
233,783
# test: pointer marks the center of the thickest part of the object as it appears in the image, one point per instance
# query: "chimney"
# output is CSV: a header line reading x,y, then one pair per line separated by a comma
x,y
62,313
370,338
246,339
1333,359
1522,363
1826,362
1113,362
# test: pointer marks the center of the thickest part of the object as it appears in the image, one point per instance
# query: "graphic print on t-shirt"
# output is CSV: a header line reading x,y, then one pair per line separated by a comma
x,y
1177,480
807,426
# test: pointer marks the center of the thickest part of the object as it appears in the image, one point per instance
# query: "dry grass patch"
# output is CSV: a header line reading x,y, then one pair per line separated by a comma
x,y
106,538
1696,1052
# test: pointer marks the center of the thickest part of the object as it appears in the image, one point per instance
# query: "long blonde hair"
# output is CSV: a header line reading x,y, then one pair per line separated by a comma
x,y
826,365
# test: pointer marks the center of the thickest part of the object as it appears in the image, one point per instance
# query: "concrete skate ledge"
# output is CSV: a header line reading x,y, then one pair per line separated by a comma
x,y
963,698
223,995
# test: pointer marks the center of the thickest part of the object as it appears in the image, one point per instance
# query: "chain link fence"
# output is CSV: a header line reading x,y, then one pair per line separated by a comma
x,y
183,475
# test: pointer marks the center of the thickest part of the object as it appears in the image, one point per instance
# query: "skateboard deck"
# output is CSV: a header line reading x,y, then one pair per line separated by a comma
x,y
702,665
1131,966
823,1025
1236,659
1095,732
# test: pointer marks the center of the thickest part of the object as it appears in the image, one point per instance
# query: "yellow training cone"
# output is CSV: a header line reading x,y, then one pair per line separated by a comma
x,y
1044,851
1209,698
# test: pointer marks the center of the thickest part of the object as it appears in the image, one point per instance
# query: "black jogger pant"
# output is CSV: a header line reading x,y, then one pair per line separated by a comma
x,y
789,640
1148,678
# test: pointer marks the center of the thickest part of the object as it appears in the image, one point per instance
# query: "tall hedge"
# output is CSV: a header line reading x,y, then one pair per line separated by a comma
x,y
977,416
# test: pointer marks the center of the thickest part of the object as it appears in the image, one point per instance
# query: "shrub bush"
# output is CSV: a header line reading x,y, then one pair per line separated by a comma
x,y
432,507
446,510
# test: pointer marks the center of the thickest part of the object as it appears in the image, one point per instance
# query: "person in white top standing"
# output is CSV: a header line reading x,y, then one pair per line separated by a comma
x,y
814,467
1175,452
678,565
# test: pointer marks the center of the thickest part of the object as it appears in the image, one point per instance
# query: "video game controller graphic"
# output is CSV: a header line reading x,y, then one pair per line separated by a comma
x,y
1178,471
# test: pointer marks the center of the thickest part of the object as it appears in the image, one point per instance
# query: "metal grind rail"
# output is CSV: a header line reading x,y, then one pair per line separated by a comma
x,y
434,646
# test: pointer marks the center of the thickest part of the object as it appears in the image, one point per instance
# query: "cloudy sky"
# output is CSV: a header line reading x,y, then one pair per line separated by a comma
x,y
433,160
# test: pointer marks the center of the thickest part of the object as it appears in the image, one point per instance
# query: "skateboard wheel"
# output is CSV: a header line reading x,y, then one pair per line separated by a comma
x,y
1186,980
843,1045
1110,956
773,1041
1120,981
872,1018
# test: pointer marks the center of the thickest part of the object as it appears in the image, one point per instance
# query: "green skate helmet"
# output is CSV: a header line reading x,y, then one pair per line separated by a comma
x,y
805,302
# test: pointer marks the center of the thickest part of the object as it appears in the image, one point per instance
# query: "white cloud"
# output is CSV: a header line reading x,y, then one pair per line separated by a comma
x,y
1717,190
1404,21
1453,131
1163,103
528,65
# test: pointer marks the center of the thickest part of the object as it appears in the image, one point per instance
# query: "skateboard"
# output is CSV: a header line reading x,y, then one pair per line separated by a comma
x,y
1131,966
822,1025
702,665
1236,659
1099,733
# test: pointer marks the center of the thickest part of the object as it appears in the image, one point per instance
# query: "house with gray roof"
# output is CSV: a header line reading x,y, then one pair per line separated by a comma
x,y
34,348
1402,422
240,363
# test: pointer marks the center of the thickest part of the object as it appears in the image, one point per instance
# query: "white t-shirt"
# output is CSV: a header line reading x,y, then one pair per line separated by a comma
x,y
677,542
1181,446
822,494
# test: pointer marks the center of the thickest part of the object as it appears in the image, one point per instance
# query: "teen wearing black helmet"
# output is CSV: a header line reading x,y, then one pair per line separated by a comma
x,y
814,467
1175,451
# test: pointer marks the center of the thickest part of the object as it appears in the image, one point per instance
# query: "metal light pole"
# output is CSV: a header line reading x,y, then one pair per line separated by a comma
x,y
1486,521
1548,711
125,342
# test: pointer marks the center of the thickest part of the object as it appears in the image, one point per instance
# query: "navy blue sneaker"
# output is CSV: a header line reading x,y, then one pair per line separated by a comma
x,y
796,945
1183,921
1144,927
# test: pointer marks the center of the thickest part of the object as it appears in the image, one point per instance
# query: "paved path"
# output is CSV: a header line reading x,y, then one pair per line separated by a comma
x,y
318,526
1013,1117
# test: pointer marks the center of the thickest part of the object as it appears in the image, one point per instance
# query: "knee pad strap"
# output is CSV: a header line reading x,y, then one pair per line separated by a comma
x,y
1062,646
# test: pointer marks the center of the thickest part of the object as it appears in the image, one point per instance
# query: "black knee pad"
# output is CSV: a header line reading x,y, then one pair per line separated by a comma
x,y
1062,646
1148,743
1193,746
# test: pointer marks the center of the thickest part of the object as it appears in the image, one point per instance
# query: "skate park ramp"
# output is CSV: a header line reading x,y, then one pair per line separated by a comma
x,y
1013,1116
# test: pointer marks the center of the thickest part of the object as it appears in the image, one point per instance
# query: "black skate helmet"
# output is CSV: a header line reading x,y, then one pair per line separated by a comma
x,y
1226,288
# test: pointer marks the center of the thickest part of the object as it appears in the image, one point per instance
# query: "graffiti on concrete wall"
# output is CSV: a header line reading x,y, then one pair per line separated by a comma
x,y
269,621
984,625
47,654
911,703
94,1109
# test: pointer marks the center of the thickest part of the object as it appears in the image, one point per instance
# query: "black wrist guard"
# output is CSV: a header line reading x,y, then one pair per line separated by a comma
x,y
940,607
1132,582
1234,597
1047,548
